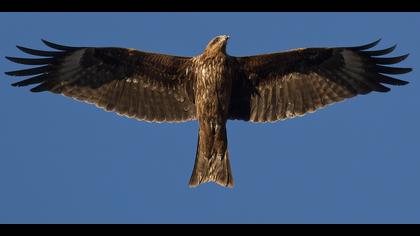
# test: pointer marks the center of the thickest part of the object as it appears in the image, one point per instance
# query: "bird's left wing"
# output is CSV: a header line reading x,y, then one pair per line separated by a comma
x,y
284,85
142,85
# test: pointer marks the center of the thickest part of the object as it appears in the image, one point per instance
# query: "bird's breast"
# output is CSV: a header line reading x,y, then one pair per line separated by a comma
x,y
213,89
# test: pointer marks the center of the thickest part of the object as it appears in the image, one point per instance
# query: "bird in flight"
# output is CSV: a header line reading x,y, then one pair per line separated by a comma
x,y
212,87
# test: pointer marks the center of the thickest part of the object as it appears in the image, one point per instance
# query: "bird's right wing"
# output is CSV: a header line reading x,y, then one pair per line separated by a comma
x,y
136,84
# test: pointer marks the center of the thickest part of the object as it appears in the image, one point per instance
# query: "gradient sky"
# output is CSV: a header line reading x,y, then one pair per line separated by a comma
x,y
62,161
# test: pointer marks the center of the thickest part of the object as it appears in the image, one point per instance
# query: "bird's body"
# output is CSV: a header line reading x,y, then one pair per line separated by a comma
x,y
212,87
212,99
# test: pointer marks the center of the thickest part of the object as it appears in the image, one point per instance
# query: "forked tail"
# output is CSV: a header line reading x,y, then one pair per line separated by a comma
x,y
212,158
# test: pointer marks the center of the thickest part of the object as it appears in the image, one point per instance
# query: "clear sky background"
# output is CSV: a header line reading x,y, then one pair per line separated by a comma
x,y
62,161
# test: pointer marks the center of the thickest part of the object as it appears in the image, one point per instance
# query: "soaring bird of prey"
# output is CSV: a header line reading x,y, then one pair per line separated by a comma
x,y
212,87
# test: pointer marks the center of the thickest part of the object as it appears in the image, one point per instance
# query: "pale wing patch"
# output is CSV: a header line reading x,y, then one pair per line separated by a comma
x,y
72,61
352,61
70,66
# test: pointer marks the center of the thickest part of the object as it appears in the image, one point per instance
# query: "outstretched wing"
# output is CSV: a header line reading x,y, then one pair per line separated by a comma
x,y
146,86
284,85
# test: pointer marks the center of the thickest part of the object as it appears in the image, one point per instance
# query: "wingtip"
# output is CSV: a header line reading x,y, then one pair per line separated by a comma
x,y
59,46
393,47
376,42
13,59
367,46
404,82
15,84
382,52
39,88
22,48
46,42
382,89
405,69
9,73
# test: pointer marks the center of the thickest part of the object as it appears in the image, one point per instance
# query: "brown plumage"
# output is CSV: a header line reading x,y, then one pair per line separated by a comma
x,y
211,87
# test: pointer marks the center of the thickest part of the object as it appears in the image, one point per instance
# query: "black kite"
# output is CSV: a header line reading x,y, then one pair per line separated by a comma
x,y
211,87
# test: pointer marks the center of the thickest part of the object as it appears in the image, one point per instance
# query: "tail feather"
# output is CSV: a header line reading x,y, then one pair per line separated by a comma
x,y
216,169
212,165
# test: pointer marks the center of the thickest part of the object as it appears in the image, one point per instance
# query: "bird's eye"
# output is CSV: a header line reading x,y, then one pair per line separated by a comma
x,y
216,40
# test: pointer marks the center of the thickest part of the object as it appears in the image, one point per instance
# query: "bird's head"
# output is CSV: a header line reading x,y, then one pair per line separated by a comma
x,y
217,44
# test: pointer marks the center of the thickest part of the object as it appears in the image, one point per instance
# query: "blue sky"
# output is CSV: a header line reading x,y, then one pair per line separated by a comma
x,y
62,161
